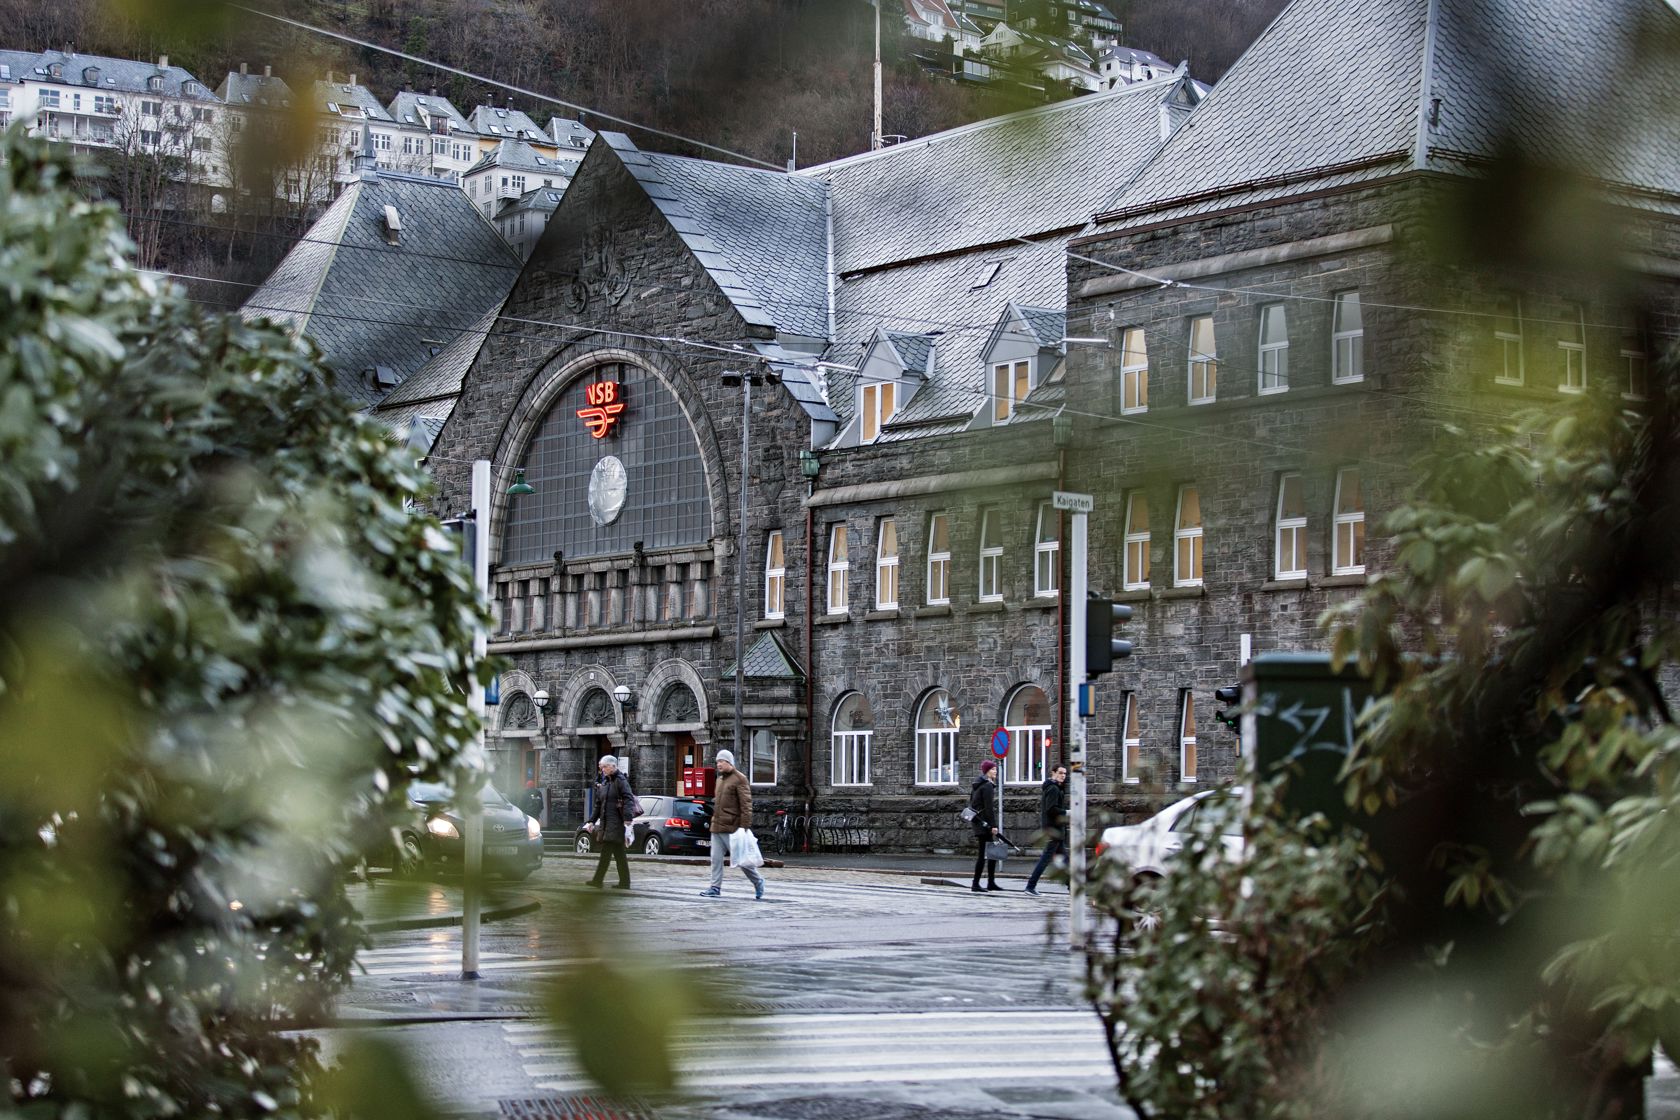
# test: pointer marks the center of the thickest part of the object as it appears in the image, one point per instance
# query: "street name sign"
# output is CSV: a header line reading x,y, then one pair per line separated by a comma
x,y
1076,503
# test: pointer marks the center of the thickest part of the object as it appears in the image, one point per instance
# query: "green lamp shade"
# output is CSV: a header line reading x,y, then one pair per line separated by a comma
x,y
520,487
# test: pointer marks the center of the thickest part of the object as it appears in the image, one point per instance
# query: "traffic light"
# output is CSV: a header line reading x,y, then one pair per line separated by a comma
x,y
1102,648
1230,696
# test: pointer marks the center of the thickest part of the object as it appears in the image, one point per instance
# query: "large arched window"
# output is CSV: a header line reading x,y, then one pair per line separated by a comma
x,y
850,740
937,724
1027,719
640,479
596,710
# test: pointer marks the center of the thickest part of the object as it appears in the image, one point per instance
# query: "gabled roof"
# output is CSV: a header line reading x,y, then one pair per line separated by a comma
x,y
766,659
123,74
516,155
543,200
503,124
1020,175
433,388
261,90
564,129
342,94
368,303
762,235
413,108
1422,84
914,351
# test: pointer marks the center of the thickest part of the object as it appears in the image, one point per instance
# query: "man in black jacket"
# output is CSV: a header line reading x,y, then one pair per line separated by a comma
x,y
1052,819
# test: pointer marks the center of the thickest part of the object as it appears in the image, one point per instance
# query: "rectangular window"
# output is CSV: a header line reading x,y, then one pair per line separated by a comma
x,y
151,108
991,558
440,147
1572,350
1047,552
1134,371
1507,334
1350,524
1187,738
939,560
775,576
201,143
1347,342
850,765
879,402
519,184
1136,575
1274,349
382,141
201,115
1636,369
1204,361
761,757
1187,539
104,103
886,566
1011,382
150,138
1131,743
838,567
1291,529
49,99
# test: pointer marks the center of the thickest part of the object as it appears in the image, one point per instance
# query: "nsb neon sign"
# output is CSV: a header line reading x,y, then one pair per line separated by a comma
x,y
605,404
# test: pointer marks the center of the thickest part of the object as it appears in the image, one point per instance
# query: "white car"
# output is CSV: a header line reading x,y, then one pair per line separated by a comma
x,y
1149,847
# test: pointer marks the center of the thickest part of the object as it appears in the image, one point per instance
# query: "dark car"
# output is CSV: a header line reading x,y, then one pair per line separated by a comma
x,y
431,838
670,824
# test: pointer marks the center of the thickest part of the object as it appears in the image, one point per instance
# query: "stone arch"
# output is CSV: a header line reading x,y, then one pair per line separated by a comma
x,y
553,376
517,682
670,672
565,705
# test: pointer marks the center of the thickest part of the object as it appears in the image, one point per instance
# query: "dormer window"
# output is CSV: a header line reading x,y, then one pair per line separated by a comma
x,y
879,402
1011,382
154,82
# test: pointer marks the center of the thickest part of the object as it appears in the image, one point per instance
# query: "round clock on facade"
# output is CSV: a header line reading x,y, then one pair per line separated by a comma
x,y
607,484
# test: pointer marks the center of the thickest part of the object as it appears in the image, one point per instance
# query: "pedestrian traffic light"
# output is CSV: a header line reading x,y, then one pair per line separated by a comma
x,y
1230,696
1102,648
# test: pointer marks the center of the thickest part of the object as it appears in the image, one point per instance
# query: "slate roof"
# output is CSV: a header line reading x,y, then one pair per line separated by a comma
x,y
342,94
432,389
766,659
500,124
1305,110
563,129
114,73
15,65
368,303
516,155
255,89
1019,175
762,235
407,107
543,200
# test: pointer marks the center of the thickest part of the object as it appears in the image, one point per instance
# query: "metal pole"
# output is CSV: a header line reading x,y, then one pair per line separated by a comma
x,y
875,140
1076,759
741,560
472,809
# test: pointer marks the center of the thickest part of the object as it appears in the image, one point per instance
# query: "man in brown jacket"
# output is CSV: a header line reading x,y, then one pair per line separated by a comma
x,y
731,811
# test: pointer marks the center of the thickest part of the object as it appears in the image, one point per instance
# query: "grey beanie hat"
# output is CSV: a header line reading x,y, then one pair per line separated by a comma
x,y
726,756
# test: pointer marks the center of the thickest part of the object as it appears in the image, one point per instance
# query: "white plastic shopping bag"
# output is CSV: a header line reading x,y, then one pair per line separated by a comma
x,y
743,849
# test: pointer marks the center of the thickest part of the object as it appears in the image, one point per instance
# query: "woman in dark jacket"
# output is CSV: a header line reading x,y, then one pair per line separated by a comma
x,y
988,820
615,807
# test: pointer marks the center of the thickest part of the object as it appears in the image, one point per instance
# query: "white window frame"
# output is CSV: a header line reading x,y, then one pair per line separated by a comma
x,y
879,400
381,141
1135,561
849,750
886,566
936,746
1274,356
1029,743
1047,553
839,569
1131,741
1510,342
1347,344
1636,373
1006,377
1191,537
1572,354
775,575
1352,523
1188,761
991,558
754,753
1203,366
1290,528
1134,371
938,562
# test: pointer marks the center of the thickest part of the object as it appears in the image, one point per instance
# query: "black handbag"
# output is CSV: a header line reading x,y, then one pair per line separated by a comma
x,y
997,849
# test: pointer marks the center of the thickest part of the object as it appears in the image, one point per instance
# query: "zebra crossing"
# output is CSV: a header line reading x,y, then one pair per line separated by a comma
x,y
1020,1047
412,960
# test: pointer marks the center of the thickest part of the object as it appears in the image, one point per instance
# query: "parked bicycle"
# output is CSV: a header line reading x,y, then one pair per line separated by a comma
x,y
781,834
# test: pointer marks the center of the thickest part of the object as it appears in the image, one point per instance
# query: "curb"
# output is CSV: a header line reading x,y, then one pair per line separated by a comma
x,y
444,921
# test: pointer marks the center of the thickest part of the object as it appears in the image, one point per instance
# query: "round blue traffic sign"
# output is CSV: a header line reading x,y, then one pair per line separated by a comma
x,y
1000,743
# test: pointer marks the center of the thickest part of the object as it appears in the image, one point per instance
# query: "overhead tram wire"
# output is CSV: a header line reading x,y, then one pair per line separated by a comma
x,y
523,92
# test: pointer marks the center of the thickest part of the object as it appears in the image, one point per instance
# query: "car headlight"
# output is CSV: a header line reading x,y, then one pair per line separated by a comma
x,y
439,826
533,830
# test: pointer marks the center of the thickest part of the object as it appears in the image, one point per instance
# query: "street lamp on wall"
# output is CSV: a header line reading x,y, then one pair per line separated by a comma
x,y
626,700
540,699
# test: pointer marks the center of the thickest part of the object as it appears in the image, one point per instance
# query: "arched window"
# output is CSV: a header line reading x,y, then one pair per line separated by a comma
x,y
853,732
596,709
678,705
1027,719
937,724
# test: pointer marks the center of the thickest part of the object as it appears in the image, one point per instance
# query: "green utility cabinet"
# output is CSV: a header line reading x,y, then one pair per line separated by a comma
x,y
1300,715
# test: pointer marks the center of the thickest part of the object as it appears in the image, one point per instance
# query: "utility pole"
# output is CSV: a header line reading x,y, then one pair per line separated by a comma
x,y
471,803
875,132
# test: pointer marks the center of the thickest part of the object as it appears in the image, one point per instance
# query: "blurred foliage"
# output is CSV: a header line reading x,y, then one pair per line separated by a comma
x,y
1214,982
224,643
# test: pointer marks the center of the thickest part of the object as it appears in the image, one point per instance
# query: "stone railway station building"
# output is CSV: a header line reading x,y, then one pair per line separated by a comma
x,y
1234,317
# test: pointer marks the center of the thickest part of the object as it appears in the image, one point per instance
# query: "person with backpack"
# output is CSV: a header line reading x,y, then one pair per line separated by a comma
x,y
615,808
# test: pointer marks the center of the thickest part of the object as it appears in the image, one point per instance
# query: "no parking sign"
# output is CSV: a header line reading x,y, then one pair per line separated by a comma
x,y
1000,743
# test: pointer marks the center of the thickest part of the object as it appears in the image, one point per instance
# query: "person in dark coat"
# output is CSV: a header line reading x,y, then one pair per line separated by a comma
x,y
1052,820
615,807
988,823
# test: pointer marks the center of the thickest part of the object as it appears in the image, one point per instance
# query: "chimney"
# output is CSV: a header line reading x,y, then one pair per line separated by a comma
x,y
243,70
163,62
352,77
268,71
